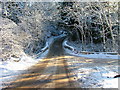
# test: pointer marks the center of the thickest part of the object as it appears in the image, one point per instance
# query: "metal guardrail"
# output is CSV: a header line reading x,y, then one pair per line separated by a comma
x,y
111,53
87,52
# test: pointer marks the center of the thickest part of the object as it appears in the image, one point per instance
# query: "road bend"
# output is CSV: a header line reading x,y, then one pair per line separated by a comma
x,y
59,70
51,72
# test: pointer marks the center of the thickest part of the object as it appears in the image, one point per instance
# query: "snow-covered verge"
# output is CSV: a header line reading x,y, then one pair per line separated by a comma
x,y
95,55
94,73
9,70
96,70
103,55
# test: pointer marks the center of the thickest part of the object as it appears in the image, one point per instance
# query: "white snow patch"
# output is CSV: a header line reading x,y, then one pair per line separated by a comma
x,y
12,68
91,78
110,83
23,64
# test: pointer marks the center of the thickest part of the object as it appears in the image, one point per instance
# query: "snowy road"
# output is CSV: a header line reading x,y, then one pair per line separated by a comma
x,y
60,70
69,72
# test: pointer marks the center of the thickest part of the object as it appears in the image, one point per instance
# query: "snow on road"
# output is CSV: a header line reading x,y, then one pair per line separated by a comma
x,y
96,75
93,77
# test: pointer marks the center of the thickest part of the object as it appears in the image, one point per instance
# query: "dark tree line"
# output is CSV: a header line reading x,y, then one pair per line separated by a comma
x,y
91,22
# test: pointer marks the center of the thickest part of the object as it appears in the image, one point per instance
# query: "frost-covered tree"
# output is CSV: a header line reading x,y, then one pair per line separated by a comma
x,y
34,23
91,22
12,10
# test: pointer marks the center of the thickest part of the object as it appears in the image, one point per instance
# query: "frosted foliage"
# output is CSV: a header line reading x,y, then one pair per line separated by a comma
x,y
25,29
92,23
12,39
